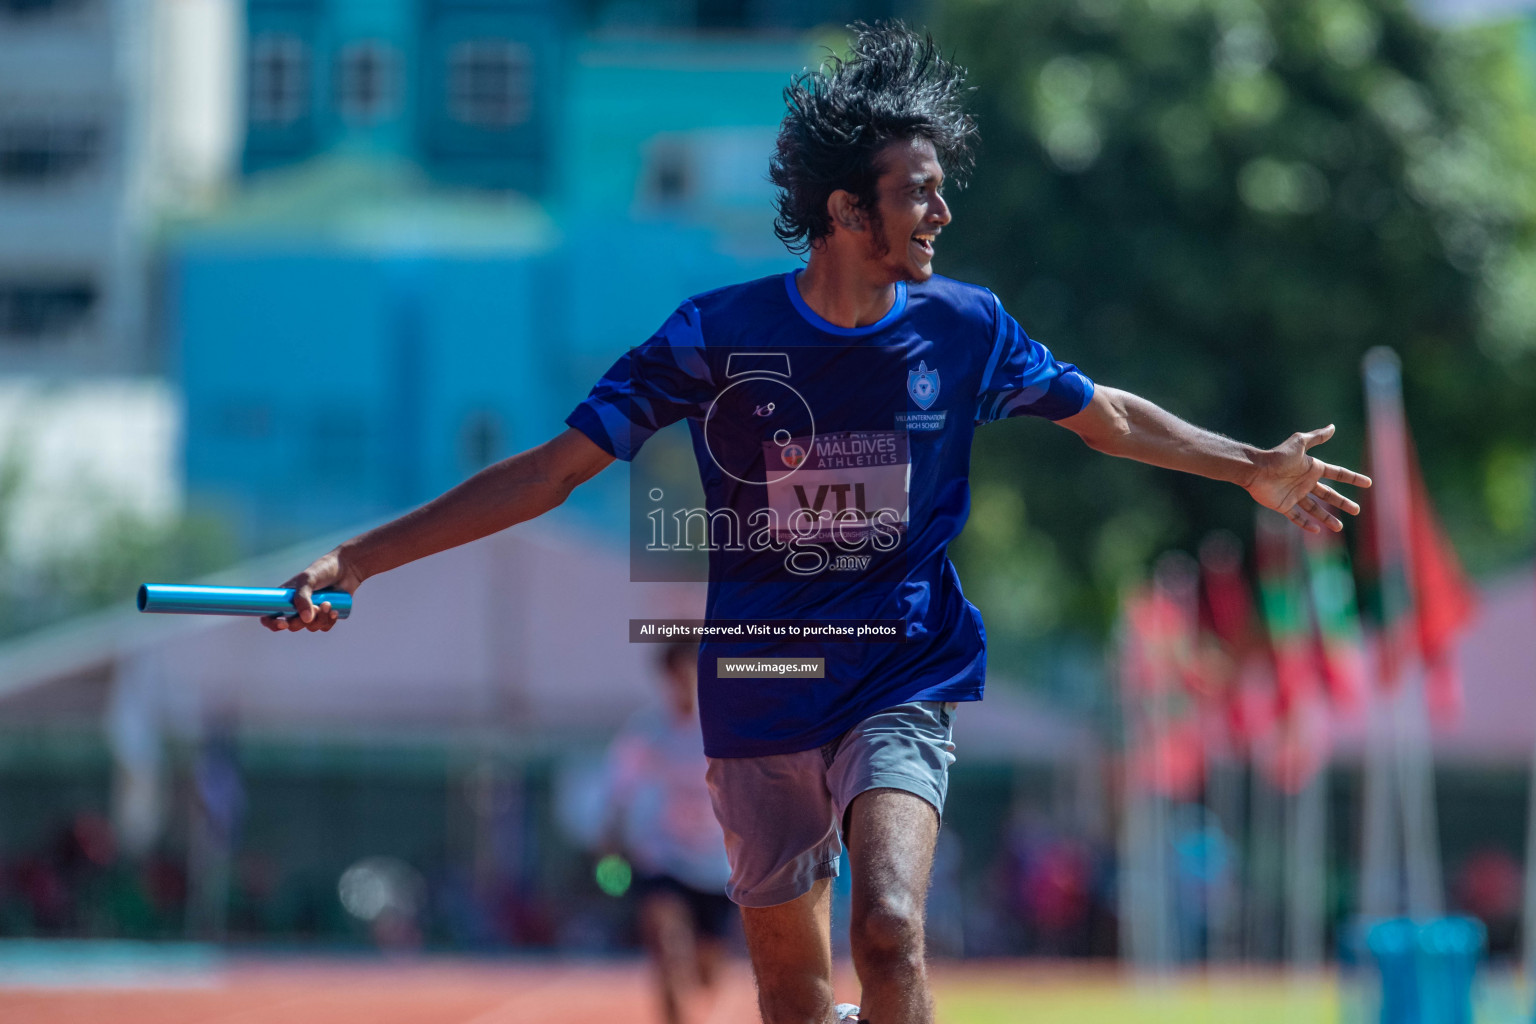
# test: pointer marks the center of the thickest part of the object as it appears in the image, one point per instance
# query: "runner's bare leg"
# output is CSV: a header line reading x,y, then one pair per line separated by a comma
x,y
791,950
891,835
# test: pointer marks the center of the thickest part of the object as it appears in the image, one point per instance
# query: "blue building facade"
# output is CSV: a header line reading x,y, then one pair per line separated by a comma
x,y
465,88
386,307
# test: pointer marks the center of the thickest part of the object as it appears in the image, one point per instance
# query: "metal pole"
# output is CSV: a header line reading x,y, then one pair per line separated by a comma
x,y
1402,760
1306,870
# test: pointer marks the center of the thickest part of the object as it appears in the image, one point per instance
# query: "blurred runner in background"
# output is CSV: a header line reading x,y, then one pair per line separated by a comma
x,y
659,816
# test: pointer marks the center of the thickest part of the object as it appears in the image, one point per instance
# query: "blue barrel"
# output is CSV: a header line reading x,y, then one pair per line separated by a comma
x,y
1426,968
1394,946
1450,949
189,600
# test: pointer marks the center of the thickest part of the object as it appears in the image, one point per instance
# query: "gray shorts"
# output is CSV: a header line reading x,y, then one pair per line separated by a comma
x,y
783,814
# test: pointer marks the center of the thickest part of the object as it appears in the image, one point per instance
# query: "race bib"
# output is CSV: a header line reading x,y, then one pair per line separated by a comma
x,y
837,488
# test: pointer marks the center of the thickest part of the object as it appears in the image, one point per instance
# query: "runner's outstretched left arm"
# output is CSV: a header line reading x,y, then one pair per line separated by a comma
x,y
512,491
1284,478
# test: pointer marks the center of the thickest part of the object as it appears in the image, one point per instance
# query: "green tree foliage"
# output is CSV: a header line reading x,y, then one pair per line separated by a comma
x,y
124,550
1221,204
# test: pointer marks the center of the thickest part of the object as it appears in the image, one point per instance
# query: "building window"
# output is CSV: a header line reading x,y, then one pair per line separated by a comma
x,y
490,83
368,80
39,310
718,167
46,150
279,79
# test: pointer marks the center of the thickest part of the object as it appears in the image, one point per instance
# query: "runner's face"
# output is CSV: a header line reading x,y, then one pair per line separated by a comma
x,y
911,209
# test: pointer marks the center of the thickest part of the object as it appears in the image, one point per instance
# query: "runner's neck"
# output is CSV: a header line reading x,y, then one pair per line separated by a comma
x,y
841,297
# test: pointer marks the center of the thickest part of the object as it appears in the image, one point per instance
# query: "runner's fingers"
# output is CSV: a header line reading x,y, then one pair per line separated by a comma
x,y
324,618
1316,437
1301,519
1345,476
302,602
1335,499
1319,513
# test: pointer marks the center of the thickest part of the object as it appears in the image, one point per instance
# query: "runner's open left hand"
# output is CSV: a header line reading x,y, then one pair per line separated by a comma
x,y
1290,481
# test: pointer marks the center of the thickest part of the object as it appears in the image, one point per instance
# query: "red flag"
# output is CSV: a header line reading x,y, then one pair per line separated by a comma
x,y
1253,712
1285,602
1299,744
1163,734
1170,760
1228,644
1443,599
1159,623
1340,649
1291,754
1228,604
1384,545
1422,595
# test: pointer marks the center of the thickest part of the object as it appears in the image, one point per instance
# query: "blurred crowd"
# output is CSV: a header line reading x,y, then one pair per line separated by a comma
x,y
1044,891
75,884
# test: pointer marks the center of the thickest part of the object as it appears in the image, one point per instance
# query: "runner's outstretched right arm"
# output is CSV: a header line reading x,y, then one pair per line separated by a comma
x,y
512,491
1284,478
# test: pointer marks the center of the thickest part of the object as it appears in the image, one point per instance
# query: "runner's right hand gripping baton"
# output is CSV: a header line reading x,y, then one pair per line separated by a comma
x,y
189,600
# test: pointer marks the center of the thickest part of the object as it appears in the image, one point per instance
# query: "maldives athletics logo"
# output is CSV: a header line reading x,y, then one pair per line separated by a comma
x,y
923,386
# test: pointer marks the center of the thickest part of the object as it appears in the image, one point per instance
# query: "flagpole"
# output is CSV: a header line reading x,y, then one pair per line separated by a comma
x,y
1306,805
1380,881
1404,761
1220,561
1266,871
1528,932
1306,870
1421,832
1143,889
1222,794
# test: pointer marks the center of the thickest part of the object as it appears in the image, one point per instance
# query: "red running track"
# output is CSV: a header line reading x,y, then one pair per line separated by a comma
x,y
408,992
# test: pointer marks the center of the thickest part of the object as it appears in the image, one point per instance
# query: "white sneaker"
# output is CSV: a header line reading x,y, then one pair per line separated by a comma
x,y
846,1011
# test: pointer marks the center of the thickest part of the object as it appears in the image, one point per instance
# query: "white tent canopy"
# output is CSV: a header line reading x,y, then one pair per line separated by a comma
x,y
1496,656
523,633
525,630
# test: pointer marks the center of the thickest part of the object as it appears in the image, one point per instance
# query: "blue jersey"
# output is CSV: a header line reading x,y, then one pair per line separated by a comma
x,y
835,469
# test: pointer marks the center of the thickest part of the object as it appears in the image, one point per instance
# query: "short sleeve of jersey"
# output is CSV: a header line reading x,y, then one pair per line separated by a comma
x,y
1022,378
660,382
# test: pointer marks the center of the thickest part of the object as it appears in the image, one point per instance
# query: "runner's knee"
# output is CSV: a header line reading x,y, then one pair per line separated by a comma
x,y
889,928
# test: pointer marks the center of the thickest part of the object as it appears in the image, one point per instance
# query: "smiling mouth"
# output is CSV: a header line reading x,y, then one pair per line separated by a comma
x,y
925,242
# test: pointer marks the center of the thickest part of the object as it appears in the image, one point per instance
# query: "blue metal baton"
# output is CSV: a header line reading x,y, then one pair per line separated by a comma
x,y
189,600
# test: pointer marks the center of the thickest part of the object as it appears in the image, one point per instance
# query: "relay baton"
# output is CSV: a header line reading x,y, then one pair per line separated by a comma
x,y
187,600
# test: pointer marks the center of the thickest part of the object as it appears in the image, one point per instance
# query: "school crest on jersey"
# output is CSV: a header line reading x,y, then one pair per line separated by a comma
x,y
923,386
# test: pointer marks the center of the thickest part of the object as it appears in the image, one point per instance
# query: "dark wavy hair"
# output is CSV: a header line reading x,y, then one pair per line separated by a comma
x,y
894,86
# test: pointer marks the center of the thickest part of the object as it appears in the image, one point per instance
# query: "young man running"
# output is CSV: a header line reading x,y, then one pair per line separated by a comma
x,y
832,412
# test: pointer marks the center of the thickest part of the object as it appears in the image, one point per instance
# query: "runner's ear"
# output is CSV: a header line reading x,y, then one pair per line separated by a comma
x,y
844,210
